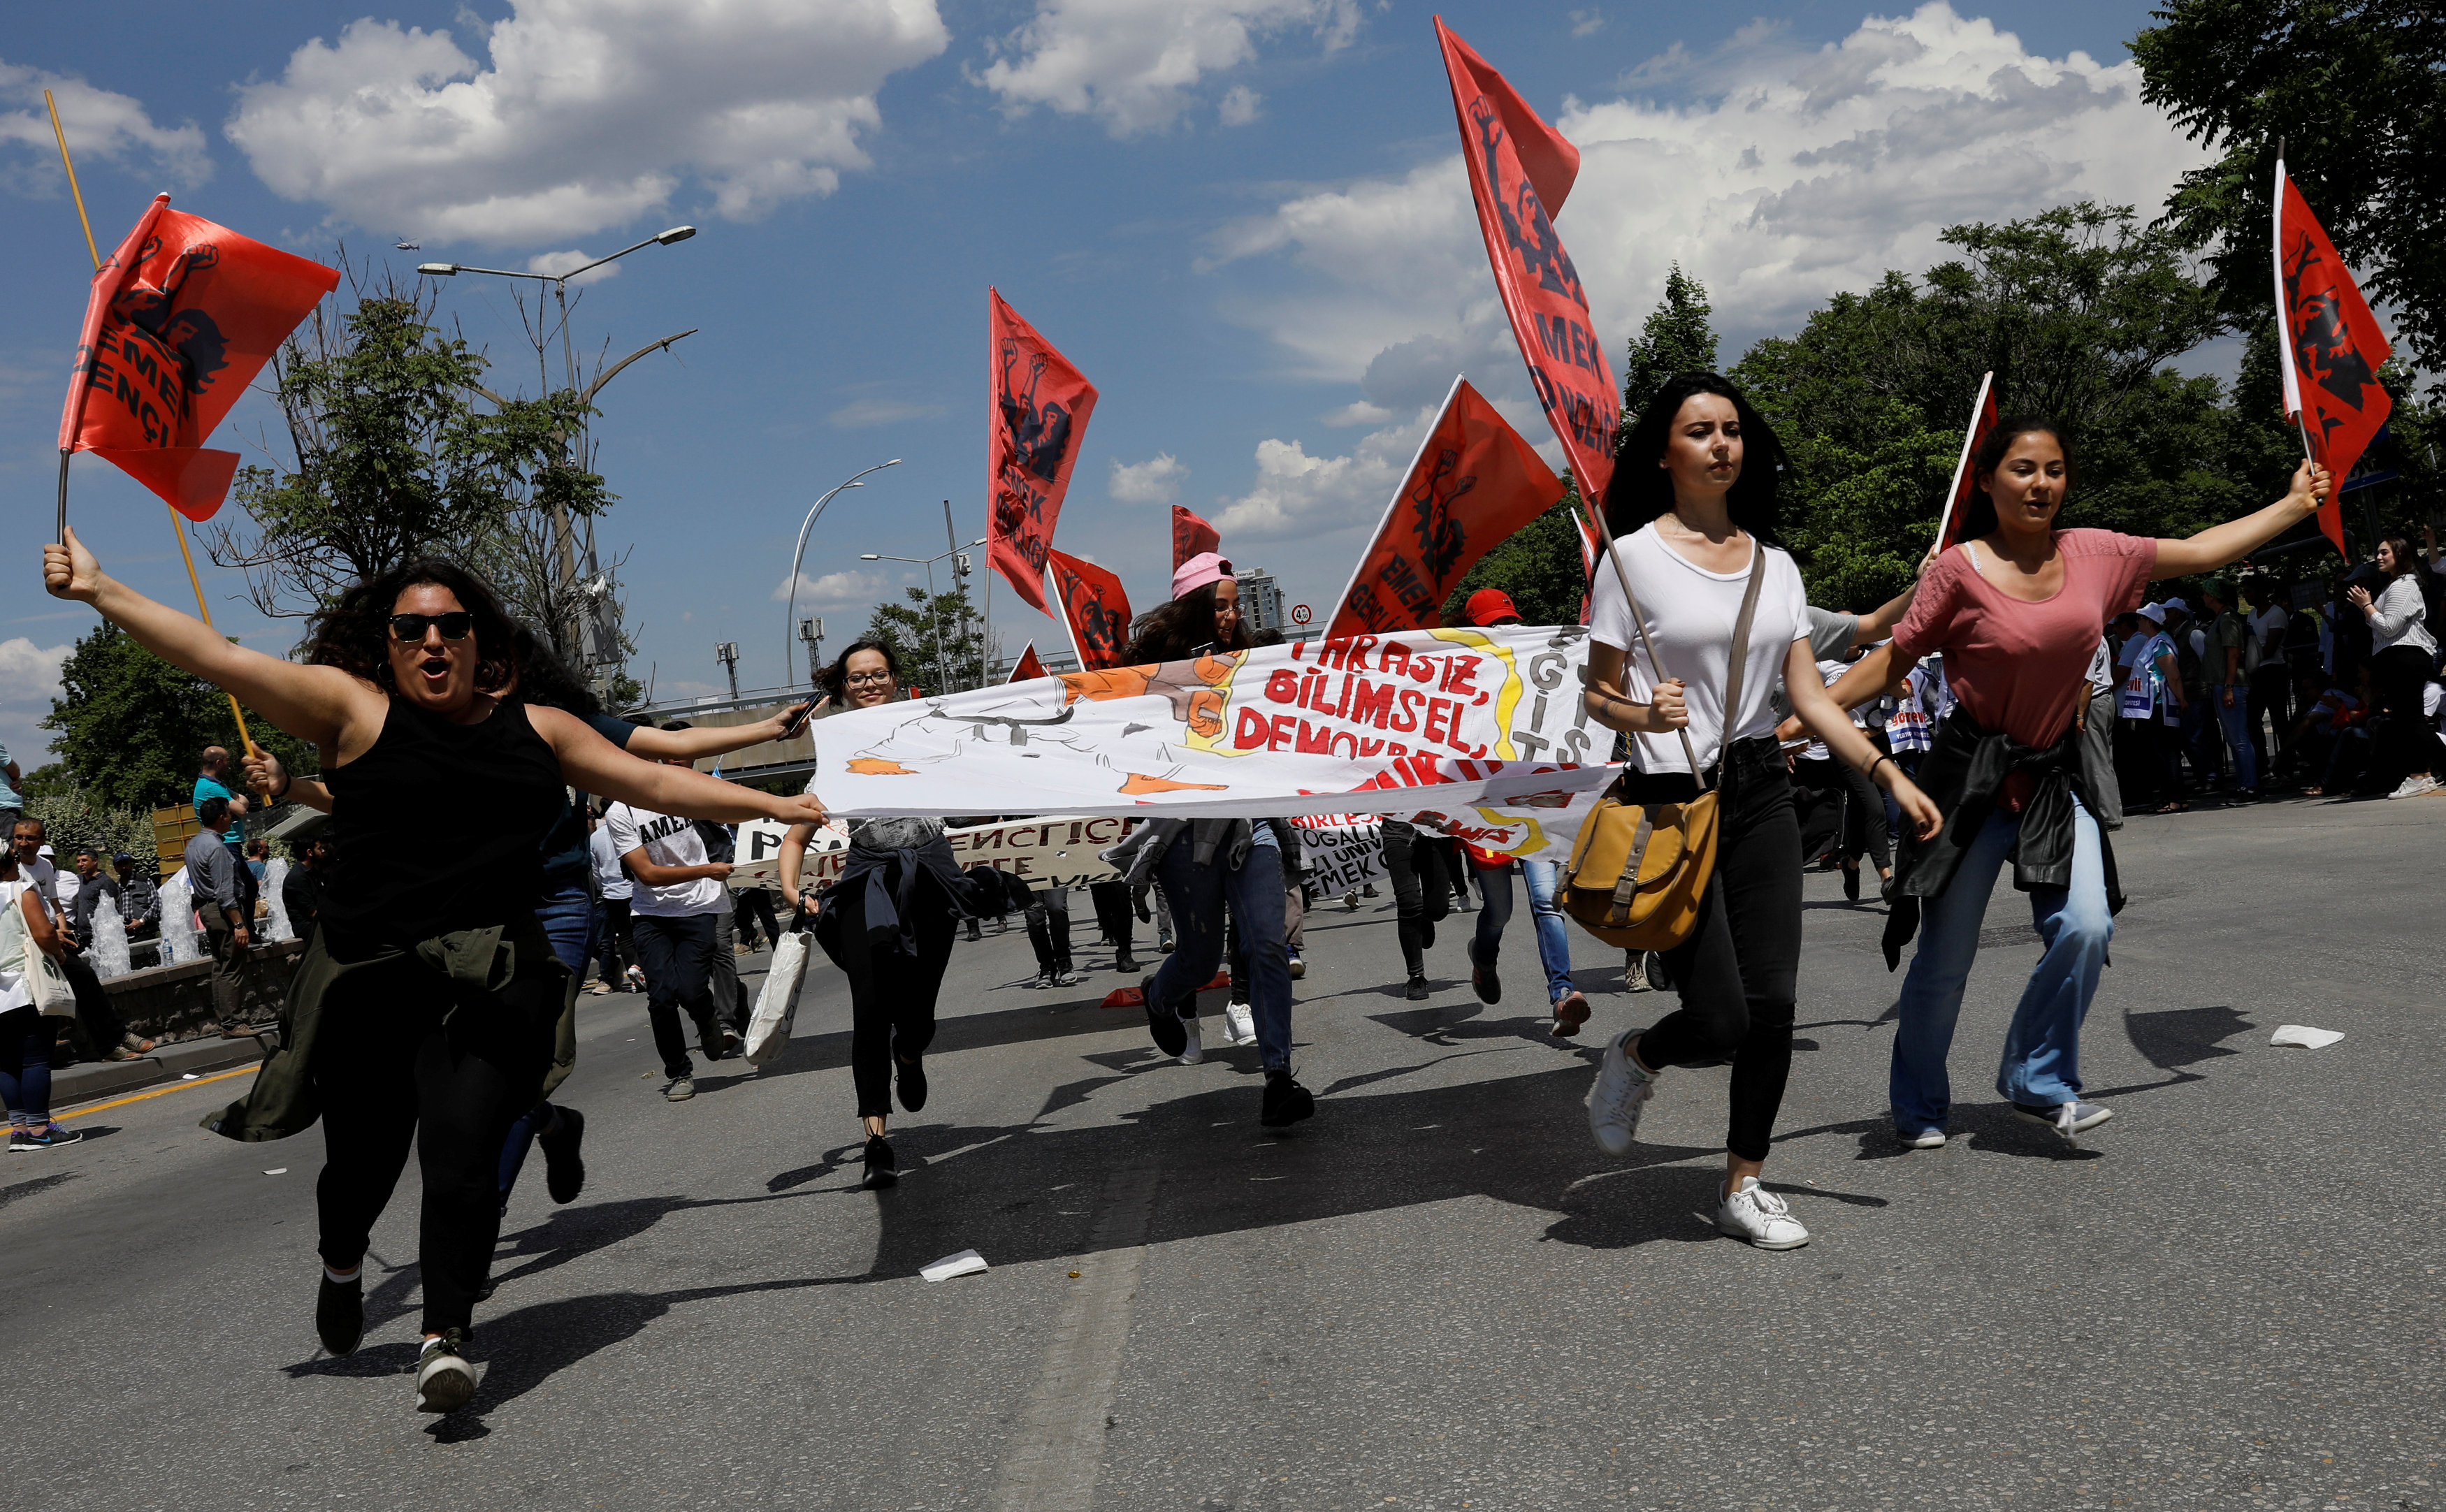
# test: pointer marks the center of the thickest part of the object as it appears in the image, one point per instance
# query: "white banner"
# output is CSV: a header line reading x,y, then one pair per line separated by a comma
x,y
1344,850
1489,720
1043,853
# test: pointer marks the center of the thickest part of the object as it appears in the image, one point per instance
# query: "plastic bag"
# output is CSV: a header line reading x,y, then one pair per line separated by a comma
x,y
777,1004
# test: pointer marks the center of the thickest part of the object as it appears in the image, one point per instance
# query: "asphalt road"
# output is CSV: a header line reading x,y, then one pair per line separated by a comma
x,y
1437,1293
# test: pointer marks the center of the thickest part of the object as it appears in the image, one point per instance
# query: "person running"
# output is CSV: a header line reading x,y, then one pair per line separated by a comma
x,y
1420,901
2018,610
674,909
2403,653
26,935
423,1011
1692,509
1200,865
888,923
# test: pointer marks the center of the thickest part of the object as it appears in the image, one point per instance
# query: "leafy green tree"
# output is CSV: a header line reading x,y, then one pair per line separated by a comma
x,y
1676,337
71,819
130,728
2356,89
938,639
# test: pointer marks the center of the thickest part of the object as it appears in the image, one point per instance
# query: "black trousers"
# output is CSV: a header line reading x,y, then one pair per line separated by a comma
x,y
1864,819
404,1053
613,937
97,1023
2406,742
1048,927
230,961
1113,915
677,954
1738,970
2271,699
1420,900
891,993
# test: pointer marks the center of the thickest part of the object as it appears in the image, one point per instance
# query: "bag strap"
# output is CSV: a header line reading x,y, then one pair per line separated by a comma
x,y
1740,654
1639,621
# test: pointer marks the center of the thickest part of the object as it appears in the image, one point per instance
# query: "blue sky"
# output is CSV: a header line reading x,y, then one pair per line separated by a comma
x,y
1245,219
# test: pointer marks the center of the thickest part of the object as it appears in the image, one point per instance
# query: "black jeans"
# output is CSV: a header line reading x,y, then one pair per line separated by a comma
x,y
1048,927
1864,819
1736,971
1111,901
612,937
2405,743
403,1055
677,953
1418,896
891,993
2271,697
752,912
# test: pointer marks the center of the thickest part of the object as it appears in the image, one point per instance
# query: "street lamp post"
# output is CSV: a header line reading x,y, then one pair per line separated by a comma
x,y
800,555
959,573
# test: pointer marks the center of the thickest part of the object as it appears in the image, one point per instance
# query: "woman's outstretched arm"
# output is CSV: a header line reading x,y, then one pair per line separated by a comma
x,y
310,702
594,764
2235,539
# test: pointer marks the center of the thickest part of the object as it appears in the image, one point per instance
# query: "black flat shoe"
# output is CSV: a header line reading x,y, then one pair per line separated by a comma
x,y
882,1165
340,1314
1417,990
564,1170
913,1083
1287,1102
1852,883
1483,980
1164,1024
1127,965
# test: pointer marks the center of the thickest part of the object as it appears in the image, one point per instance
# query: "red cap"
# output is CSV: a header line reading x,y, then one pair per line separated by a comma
x,y
1489,606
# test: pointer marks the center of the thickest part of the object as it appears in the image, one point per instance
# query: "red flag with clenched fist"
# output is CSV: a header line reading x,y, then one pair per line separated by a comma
x,y
1473,482
1192,536
1966,482
1041,404
2330,348
181,318
1028,668
1519,170
1095,609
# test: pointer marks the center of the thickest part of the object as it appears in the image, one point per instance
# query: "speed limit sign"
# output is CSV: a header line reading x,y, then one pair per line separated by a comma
x,y
1300,614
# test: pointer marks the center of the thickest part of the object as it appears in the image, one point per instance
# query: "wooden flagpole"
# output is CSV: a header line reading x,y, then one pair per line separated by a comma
x,y
178,526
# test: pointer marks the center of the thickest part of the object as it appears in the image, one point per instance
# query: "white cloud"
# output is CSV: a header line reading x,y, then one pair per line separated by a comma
x,y
1239,105
29,680
1304,497
1135,65
859,413
102,127
587,115
1784,176
1156,480
561,262
1588,23
835,591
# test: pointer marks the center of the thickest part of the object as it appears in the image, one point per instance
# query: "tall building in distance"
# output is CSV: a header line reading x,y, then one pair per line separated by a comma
x,y
1261,603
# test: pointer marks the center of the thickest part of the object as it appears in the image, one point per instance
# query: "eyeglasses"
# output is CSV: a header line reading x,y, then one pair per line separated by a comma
x,y
409,629
863,679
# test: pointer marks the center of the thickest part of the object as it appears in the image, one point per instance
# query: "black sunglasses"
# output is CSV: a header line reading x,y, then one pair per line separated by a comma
x,y
409,629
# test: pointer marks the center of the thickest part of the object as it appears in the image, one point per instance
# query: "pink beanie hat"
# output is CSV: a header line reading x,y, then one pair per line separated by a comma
x,y
1197,571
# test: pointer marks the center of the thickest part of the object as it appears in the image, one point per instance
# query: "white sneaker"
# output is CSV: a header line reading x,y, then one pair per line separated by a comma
x,y
2417,787
1761,1217
1194,1051
1925,1139
444,1381
1239,1024
2067,1120
1614,1103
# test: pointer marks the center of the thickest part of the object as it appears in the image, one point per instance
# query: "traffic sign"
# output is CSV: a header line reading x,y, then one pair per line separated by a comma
x,y
1300,614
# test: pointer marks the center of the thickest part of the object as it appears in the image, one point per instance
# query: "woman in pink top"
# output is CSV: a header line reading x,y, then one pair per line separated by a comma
x,y
2016,610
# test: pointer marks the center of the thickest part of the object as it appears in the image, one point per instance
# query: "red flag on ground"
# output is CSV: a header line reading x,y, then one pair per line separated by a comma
x,y
1473,482
1190,537
181,318
1028,668
2330,348
1041,404
1982,419
1519,171
1095,609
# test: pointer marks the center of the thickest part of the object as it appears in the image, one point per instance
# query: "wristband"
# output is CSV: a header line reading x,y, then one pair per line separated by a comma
x,y
1872,773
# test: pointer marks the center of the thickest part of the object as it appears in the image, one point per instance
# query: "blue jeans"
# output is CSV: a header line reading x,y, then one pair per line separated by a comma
x,y
26,1065
1554,940
2042,1060
2236,723
1197,895
568,920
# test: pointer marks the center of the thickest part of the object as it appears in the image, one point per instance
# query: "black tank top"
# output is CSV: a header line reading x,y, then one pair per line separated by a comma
x,y
441,826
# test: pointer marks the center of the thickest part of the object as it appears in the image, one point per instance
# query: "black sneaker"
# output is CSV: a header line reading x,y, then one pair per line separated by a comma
x,y
882,1166
50,1136
1852,883
340,1314
1127,965
1417,990
564,1170
1164,1024
444,1381
1426,934
708,1037
913,1083
1287,1101
1483,979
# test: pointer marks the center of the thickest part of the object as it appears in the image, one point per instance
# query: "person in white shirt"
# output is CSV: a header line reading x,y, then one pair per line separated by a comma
x,y
671,910
2403,653
612,942
2270,679
1692,506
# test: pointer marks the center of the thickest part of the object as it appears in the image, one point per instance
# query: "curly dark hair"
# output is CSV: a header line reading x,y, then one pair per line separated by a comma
x,y
833,680
1640,491
354,634
1979,510
545,679
1174,631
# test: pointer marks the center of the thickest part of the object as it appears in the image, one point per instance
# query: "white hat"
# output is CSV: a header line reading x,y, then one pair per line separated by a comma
x,y
2175,607
2154,614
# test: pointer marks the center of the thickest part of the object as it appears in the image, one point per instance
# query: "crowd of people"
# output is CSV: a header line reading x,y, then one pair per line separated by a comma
x,y
463,896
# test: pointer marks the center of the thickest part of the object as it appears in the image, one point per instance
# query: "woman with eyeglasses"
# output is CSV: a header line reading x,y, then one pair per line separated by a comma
x,y
424,1008
887,922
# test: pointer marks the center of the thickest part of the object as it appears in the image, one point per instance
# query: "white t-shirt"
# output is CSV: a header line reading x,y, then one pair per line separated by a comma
x,y
609,878
15,991
1690,614
2273,617
669,841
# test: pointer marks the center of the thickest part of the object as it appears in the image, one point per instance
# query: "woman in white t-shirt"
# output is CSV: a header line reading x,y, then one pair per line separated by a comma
x,y
24,1033
1692,505
2403,653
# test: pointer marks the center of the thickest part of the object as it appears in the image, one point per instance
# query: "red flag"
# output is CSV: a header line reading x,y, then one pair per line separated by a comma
x,y
1041,404
1519,170
1588,548
181,318
1190,537
1982,419
1473,482
2331,348
1028,668
1095,609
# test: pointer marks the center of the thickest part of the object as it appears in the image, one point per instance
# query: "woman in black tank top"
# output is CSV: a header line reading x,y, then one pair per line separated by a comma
x,y
424,1006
